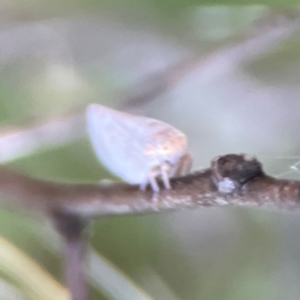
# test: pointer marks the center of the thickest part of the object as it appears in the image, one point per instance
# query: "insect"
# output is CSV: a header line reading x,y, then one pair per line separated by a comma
x,y
137,149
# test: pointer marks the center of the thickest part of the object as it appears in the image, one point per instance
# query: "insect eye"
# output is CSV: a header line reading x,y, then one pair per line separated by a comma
x,y
165,149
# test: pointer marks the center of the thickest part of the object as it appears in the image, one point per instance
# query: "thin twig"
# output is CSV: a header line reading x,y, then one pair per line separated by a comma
x,y
216,64
22,142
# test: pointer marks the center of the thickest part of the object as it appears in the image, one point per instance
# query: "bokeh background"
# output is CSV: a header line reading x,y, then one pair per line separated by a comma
x,y
227,75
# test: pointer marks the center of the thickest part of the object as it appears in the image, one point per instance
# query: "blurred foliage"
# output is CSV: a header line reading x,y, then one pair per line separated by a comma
x,y
222,254
72,163
30,277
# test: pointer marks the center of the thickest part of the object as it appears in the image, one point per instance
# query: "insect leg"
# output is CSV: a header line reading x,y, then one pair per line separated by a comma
x,y
187,162
153,183
183,166
151,179
164,172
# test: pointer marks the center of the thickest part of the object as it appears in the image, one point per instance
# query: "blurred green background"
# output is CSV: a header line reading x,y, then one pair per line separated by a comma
x,y
57,57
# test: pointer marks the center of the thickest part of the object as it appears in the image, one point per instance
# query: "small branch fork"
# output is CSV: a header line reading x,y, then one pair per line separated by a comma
x,y
236,180
73,230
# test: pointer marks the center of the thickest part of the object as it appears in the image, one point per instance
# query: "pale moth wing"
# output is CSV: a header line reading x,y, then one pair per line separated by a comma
x,y
122,141
111,133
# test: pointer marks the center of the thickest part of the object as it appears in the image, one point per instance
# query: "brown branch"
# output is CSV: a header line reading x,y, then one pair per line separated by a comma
x,y
236,180
233,180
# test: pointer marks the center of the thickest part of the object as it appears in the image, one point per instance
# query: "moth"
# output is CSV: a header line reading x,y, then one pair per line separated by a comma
x,y
137,149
